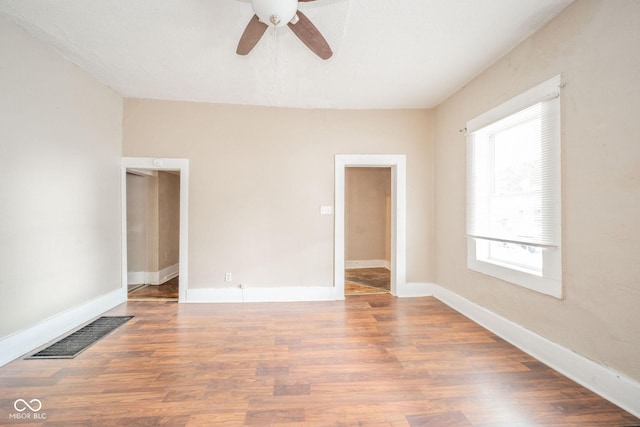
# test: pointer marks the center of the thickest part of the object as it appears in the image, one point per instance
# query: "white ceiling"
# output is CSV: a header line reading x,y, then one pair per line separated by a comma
x,y
387,53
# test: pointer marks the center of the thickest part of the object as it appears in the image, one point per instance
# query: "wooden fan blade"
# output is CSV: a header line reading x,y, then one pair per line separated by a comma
x,y
251,35
310,36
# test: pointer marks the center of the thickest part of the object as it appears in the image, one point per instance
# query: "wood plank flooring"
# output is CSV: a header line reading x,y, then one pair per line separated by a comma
x,y
167,291
372,360
360,281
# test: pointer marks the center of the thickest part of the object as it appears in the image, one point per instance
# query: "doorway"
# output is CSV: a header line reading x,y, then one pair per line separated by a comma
x,y
396,163
367,230
153,221
154,228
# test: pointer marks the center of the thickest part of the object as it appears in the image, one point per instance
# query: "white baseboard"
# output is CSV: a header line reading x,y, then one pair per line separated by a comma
x,y
165,274
415,290
613,386
152,277
136,277
23,342
214,295
256,294
289,294
368,263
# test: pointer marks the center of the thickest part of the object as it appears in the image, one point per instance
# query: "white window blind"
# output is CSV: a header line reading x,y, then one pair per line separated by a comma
x,y
513,175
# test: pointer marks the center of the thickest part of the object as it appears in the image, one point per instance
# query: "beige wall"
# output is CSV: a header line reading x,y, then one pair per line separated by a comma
x,y
60,141
152,216
594,44
259,175
168,219
367,214
137,222
142,226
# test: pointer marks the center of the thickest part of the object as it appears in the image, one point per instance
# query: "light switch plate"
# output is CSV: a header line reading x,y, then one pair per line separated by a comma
x,y
326,210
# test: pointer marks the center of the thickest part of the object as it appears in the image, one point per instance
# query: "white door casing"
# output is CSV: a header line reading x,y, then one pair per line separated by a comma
x,y
397,163
161,164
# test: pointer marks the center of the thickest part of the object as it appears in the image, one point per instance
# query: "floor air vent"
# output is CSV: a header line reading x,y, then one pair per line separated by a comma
x,y
75,343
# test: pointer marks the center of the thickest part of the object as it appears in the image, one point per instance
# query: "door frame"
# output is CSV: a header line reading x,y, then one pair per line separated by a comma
x,y
160,164
398,165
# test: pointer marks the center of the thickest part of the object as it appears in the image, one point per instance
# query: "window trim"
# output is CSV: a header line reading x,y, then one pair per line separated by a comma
x,y
549,281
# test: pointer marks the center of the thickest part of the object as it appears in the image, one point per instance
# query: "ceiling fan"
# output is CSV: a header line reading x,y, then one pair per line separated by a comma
x,y
278,13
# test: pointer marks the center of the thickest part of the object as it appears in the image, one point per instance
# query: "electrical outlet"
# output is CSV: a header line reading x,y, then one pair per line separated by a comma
x,y
227,277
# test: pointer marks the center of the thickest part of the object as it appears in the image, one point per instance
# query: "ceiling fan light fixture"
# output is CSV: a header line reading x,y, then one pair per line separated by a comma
x,y
280,13
275,13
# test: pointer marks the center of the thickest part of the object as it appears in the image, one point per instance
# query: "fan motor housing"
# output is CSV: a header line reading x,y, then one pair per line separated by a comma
x,y
275,13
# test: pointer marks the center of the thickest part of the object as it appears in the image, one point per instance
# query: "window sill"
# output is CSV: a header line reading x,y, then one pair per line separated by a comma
x,y
551,286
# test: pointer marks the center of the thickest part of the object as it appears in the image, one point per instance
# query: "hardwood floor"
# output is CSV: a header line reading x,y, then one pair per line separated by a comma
x,y
360,281
372,360
166,291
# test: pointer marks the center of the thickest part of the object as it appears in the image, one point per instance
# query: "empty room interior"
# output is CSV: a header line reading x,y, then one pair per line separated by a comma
x,y
331,212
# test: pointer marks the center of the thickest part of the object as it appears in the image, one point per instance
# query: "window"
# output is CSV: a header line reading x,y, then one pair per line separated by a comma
x,y
513,191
